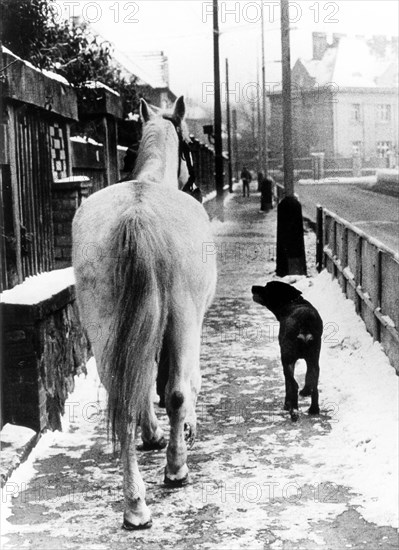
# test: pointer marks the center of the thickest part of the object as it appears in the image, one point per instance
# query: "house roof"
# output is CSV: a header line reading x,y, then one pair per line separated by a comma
x,y
356,66
349,63
148,67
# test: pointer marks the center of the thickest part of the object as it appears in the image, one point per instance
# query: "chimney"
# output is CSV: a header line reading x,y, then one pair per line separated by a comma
x,y
319,44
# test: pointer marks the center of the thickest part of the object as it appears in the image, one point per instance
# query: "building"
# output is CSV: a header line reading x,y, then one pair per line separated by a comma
x,y
152,73
344,100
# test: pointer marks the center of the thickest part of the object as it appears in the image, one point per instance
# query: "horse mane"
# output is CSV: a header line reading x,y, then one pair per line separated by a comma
x,y
150,163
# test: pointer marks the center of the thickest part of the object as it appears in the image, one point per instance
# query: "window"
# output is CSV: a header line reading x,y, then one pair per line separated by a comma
x,y
357,147
356,112
384,113
383,147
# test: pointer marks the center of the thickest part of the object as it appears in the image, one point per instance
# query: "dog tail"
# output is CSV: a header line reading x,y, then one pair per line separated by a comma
x,y
305,338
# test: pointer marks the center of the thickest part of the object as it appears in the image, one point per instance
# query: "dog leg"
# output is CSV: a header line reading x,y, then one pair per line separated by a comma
x,y
311,382
291,390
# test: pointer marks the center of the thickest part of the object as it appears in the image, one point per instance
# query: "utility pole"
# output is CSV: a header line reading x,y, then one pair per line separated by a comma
x,y
291,259
218,113
260,132
229,128
235,144
286,96
264,127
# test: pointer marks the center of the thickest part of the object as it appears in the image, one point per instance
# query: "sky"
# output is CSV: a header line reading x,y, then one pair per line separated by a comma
x,y
182,29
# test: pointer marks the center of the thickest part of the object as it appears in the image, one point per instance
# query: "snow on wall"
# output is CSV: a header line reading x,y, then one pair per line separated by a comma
x,y
39,287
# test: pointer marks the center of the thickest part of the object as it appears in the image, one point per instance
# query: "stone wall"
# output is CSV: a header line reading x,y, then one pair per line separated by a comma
x,y
44,347
67,195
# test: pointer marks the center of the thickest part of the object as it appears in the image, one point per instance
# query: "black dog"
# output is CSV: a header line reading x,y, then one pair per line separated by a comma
x,y
300,333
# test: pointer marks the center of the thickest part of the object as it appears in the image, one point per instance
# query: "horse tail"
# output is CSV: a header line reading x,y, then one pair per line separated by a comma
x,y
141,276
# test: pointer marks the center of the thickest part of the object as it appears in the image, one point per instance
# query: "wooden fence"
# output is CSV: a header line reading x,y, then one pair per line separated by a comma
x,y
368,273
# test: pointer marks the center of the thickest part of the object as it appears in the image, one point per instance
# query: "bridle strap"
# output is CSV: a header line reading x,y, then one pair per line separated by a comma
x,y
184,152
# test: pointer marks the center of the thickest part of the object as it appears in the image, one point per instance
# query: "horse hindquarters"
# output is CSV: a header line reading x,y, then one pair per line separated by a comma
x,y
128,298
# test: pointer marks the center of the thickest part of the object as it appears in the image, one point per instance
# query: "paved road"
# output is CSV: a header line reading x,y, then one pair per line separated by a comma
x,y
374,213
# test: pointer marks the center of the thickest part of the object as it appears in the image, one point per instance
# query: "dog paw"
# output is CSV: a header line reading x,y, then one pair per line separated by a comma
x,y
314,409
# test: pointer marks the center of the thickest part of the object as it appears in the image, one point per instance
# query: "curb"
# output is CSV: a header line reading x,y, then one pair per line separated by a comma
x,y
16,444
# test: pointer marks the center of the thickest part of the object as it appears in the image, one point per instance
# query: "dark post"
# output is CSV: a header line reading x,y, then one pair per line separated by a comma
x,y
218,113
291,258
229,129
319,238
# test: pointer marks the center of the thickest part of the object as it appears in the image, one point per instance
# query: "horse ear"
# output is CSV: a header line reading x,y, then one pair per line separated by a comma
x,y
179,109
145,111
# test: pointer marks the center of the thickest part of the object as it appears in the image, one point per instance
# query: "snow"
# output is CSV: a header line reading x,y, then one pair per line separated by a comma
x,y
81,139
39,287
332,180
45,72
357,378
96,85
358,453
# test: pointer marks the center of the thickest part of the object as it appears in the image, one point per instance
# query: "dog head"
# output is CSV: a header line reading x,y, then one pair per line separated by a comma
x,y
275,295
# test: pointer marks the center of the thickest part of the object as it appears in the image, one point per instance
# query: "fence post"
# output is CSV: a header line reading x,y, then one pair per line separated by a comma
x,y
100,104
344,259
377,295
356,165
319,238
358,274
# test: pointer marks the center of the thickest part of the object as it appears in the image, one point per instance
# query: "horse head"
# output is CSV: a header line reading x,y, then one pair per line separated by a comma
x,y
177,141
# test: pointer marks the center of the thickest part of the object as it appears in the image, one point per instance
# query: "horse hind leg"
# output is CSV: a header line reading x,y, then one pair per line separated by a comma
x,y
151,433
136,513
181,396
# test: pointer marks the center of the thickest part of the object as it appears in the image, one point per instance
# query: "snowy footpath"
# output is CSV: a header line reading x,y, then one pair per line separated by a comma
x,y
258,481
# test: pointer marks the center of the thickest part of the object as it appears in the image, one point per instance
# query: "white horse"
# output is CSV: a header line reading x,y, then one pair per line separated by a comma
x,y
143,289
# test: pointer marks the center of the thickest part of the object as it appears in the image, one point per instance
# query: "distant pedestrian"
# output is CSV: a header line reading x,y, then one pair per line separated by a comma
x,y
266,192
246,178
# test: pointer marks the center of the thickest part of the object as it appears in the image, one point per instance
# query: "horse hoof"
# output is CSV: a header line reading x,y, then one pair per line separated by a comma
x,y
153,445
175,483
314,410
305,392
294,415
132,527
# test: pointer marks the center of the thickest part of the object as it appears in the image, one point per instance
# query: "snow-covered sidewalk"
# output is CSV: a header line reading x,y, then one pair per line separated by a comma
x,y
258,480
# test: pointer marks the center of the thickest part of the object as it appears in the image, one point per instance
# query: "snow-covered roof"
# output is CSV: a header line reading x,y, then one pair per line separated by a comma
x,y
351,63
147,67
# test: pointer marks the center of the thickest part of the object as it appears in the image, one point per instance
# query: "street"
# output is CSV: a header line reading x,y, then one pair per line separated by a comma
x,y
258,481
374,213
